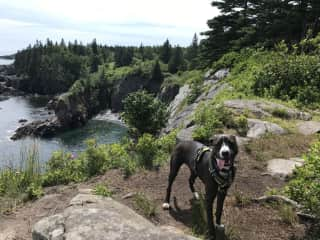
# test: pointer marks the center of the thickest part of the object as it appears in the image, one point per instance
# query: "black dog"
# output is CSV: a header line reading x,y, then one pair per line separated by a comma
x,y
214,166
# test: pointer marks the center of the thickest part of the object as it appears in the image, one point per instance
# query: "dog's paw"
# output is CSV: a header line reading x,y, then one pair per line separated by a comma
x,y
196,196
166,206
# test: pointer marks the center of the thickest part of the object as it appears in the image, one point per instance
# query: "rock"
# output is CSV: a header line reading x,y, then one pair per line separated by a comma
x,y
39,128
309,128
185,134
208,74
22,120
283,167
183,117
132,82
220,74
168,93
71,110
258,128
265,109
174,105
98,218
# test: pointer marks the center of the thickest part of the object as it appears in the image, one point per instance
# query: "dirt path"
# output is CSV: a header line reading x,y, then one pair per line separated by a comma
x,y
251,221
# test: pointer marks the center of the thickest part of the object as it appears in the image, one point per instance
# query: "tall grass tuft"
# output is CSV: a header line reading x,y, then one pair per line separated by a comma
x,y
21,183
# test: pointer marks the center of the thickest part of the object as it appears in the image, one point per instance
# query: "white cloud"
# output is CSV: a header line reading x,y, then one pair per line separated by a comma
x,y
112,21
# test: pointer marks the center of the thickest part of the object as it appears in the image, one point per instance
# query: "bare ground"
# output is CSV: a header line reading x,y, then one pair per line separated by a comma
x,y
250,221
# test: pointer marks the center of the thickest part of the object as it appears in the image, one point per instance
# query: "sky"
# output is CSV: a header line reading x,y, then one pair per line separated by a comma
x,y
111,22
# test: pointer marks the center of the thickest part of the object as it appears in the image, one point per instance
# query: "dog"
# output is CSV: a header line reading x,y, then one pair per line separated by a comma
x,y
214,166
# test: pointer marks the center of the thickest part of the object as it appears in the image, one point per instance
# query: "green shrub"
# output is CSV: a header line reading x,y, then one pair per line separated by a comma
x,y
280,113
145,205
196,85
63,168
21,183
290,77
226,61
199,216
210,120
241,124
146,149
304,187
102,190
144,113
287,214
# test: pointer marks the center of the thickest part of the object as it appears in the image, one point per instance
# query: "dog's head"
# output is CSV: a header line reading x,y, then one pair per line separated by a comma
x,y
225,149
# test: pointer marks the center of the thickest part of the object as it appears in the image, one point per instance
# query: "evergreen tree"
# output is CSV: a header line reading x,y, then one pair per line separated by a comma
x,y
248,22
176,61
165,52
192,53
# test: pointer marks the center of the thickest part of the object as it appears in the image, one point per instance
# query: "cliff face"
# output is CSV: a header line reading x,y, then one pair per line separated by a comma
x,y
132,83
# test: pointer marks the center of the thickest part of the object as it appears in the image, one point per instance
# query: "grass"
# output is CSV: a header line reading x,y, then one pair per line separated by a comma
x,y
279,146
199,217
287,214
144,205
102,190
241,199
20,183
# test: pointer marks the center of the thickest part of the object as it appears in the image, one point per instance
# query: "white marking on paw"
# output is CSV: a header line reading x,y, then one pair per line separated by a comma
x,y
196,195
165,206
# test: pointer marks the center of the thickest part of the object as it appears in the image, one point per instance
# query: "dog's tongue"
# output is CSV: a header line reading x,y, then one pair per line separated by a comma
x,y
220,163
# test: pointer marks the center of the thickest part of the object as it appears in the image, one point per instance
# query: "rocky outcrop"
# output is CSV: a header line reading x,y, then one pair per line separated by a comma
x,y
258,128
98,218
309,128
168,93
283,167
182,116
40,128
131,83
266,109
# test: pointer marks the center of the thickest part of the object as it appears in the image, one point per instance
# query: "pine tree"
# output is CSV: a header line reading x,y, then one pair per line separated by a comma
x,y
165,52
192,53
176,61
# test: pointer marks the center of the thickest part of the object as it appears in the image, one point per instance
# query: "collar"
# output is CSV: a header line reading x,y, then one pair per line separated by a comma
x,y
224,178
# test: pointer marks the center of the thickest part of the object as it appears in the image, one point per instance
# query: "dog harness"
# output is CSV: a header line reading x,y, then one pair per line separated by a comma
x,y
223,177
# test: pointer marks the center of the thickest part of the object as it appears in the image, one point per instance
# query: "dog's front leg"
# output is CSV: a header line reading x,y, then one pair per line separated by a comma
x,y
220,201
209,202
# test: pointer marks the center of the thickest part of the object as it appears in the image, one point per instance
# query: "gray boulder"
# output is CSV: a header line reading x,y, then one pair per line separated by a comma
x,y
258,128
265,109
283,167
221,74
309,128
98,218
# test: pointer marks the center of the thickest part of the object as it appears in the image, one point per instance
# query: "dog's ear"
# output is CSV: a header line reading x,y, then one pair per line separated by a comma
x,y
233,139
213,140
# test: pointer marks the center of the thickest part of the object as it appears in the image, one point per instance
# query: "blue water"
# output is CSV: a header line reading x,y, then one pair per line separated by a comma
x,y
5,61
14,108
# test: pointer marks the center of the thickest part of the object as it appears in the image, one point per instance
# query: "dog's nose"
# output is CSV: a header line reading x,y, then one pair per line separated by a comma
x,y
225,153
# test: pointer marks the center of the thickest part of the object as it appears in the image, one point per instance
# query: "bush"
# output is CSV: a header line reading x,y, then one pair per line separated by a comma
x,y
102,190
305,185
210,120
144,204
241,123
146,149
196,89
290,77
21,183
144,113
63,168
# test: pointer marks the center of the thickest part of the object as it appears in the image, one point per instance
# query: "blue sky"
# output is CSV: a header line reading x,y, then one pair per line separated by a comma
x,y
112,22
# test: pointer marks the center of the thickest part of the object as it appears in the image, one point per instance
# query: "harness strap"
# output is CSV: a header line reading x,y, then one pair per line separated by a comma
x,y
222,177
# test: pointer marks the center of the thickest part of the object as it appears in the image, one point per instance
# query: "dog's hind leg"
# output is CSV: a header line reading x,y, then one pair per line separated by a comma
x,y
191,185
175,165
